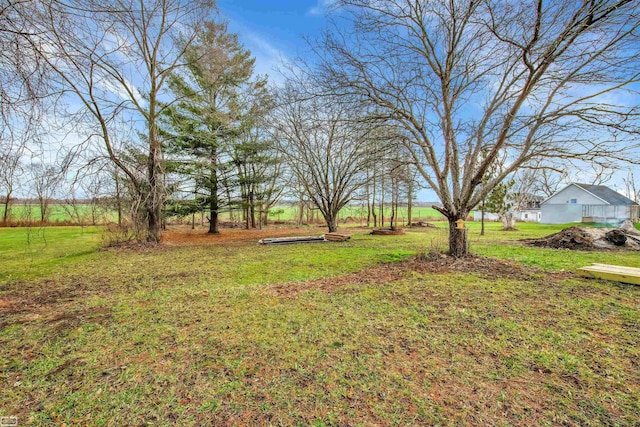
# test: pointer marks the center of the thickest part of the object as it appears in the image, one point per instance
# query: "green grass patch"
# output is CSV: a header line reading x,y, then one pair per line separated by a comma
x,y
36,251
234,334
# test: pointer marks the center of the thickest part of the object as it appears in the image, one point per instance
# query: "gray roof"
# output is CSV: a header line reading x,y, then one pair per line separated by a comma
x,y
608,195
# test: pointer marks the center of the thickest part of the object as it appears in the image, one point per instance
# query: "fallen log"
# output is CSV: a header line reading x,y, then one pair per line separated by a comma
x,y
291,240
387,231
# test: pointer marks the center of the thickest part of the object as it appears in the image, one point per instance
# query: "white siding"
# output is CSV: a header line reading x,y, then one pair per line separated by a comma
x,y
558,209
530,215
607,213
573,192
560,214
488,216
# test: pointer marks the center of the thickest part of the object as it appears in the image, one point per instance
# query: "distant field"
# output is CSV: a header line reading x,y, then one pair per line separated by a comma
x,y
59,213
290,213
83,213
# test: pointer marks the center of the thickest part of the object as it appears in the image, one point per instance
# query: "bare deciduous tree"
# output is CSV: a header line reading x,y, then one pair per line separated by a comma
x,y
631,188
114,57
23,88
325,148
470,82
10,167
45,180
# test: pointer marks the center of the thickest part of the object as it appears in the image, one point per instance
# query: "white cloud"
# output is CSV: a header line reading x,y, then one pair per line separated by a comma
x,y
321,8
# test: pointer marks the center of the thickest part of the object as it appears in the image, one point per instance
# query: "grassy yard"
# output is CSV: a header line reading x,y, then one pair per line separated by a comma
x,y
355,333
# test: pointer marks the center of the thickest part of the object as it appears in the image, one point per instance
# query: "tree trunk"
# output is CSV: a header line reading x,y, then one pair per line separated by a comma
x,y
94,211
482,219
213,215
409,202
375,217
373,203
7,206
392,217
252,209
301,212
458,243
382,204
213,221
509,221
43,210
213,201
228,191
118,199
153,222
330,217
153,203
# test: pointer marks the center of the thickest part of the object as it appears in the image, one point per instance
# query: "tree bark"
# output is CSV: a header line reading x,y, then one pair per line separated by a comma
x,y
44,210
118,198
213,221
458,241
7,206
409,202
301,212
509,221
458,238
213,200
482,218
154,176
331,222
252,209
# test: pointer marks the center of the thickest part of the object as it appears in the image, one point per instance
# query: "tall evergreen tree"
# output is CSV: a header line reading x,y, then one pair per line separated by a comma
x,y
207,120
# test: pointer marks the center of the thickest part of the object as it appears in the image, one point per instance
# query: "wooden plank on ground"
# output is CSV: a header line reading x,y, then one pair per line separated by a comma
x,y
337,237
615,273
616,267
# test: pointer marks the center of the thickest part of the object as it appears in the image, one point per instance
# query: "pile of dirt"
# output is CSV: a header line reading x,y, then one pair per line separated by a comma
x,y
387,231
589,238
422,224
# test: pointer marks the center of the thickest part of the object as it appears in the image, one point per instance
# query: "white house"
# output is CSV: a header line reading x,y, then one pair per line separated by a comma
x,y
587,203
528,215
488,216
524,215
529,211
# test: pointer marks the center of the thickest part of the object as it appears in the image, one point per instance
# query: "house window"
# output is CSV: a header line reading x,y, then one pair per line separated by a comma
x,y
526,216
573,201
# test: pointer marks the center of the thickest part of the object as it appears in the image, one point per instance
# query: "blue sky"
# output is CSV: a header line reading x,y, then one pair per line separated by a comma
x,y
274,30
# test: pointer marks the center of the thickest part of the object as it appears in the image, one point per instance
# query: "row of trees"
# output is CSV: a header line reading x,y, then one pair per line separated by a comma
x,y
480,85
461,93
184,121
